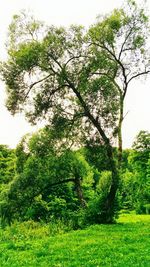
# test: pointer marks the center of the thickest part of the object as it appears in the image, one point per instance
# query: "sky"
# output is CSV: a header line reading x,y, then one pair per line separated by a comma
x,y
66,12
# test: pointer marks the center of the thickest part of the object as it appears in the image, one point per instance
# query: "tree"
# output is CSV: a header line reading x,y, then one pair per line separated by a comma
x,y
60,166
141,151
76,80
140,164
142,142
51,78
42,175
122,39
134,185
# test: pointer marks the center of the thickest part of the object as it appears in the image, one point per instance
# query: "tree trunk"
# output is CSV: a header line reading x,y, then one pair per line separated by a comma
x,y
120,132
108,205
108,209
79,191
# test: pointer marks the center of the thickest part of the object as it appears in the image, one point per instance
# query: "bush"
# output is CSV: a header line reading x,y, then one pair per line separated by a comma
x,y
142,208
147,208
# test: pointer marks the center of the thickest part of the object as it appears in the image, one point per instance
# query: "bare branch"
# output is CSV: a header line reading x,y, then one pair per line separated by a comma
x,y
104,47
138,74
57,89
37,82
75,57
125,115
123,44
55,60
121,65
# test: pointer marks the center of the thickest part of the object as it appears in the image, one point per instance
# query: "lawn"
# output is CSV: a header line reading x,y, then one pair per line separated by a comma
x,y
126,243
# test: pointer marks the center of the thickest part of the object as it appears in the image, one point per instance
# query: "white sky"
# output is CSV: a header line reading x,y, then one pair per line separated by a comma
x,y
66,12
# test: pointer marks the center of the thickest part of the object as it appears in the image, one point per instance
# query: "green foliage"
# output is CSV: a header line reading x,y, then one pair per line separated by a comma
x,y
135,182
7,164
60,63
7,173
142,142
96,155
17,30
48,184
128,188
44,184
140,162
95,212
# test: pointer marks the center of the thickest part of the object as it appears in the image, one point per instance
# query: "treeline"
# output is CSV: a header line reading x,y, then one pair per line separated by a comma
x,y
41,182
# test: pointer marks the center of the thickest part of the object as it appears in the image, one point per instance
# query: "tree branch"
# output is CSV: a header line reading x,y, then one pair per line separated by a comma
x,y
122,67
123,44
75,57
138,74
37,82
63,181
95,122
55,60
104,47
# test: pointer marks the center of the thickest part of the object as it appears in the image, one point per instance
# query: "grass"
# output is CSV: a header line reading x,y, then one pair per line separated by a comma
x,y
126,243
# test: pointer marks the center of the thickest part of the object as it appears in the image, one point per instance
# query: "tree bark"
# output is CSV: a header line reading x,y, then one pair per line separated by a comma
x,y
120,132
108,205
79,191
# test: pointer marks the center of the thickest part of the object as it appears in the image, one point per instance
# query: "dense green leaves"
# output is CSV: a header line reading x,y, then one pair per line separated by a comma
x,y
7,164
135,178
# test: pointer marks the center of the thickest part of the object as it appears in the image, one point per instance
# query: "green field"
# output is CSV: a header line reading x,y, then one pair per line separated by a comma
x,y
126,243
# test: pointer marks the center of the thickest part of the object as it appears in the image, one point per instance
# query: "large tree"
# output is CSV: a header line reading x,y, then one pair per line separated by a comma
x,y
76,80
49,74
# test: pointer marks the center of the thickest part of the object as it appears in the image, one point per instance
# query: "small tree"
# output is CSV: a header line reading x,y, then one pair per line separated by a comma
x,y
44,174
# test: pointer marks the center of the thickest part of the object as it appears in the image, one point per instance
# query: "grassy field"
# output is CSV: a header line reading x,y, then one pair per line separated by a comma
x,y
126,243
